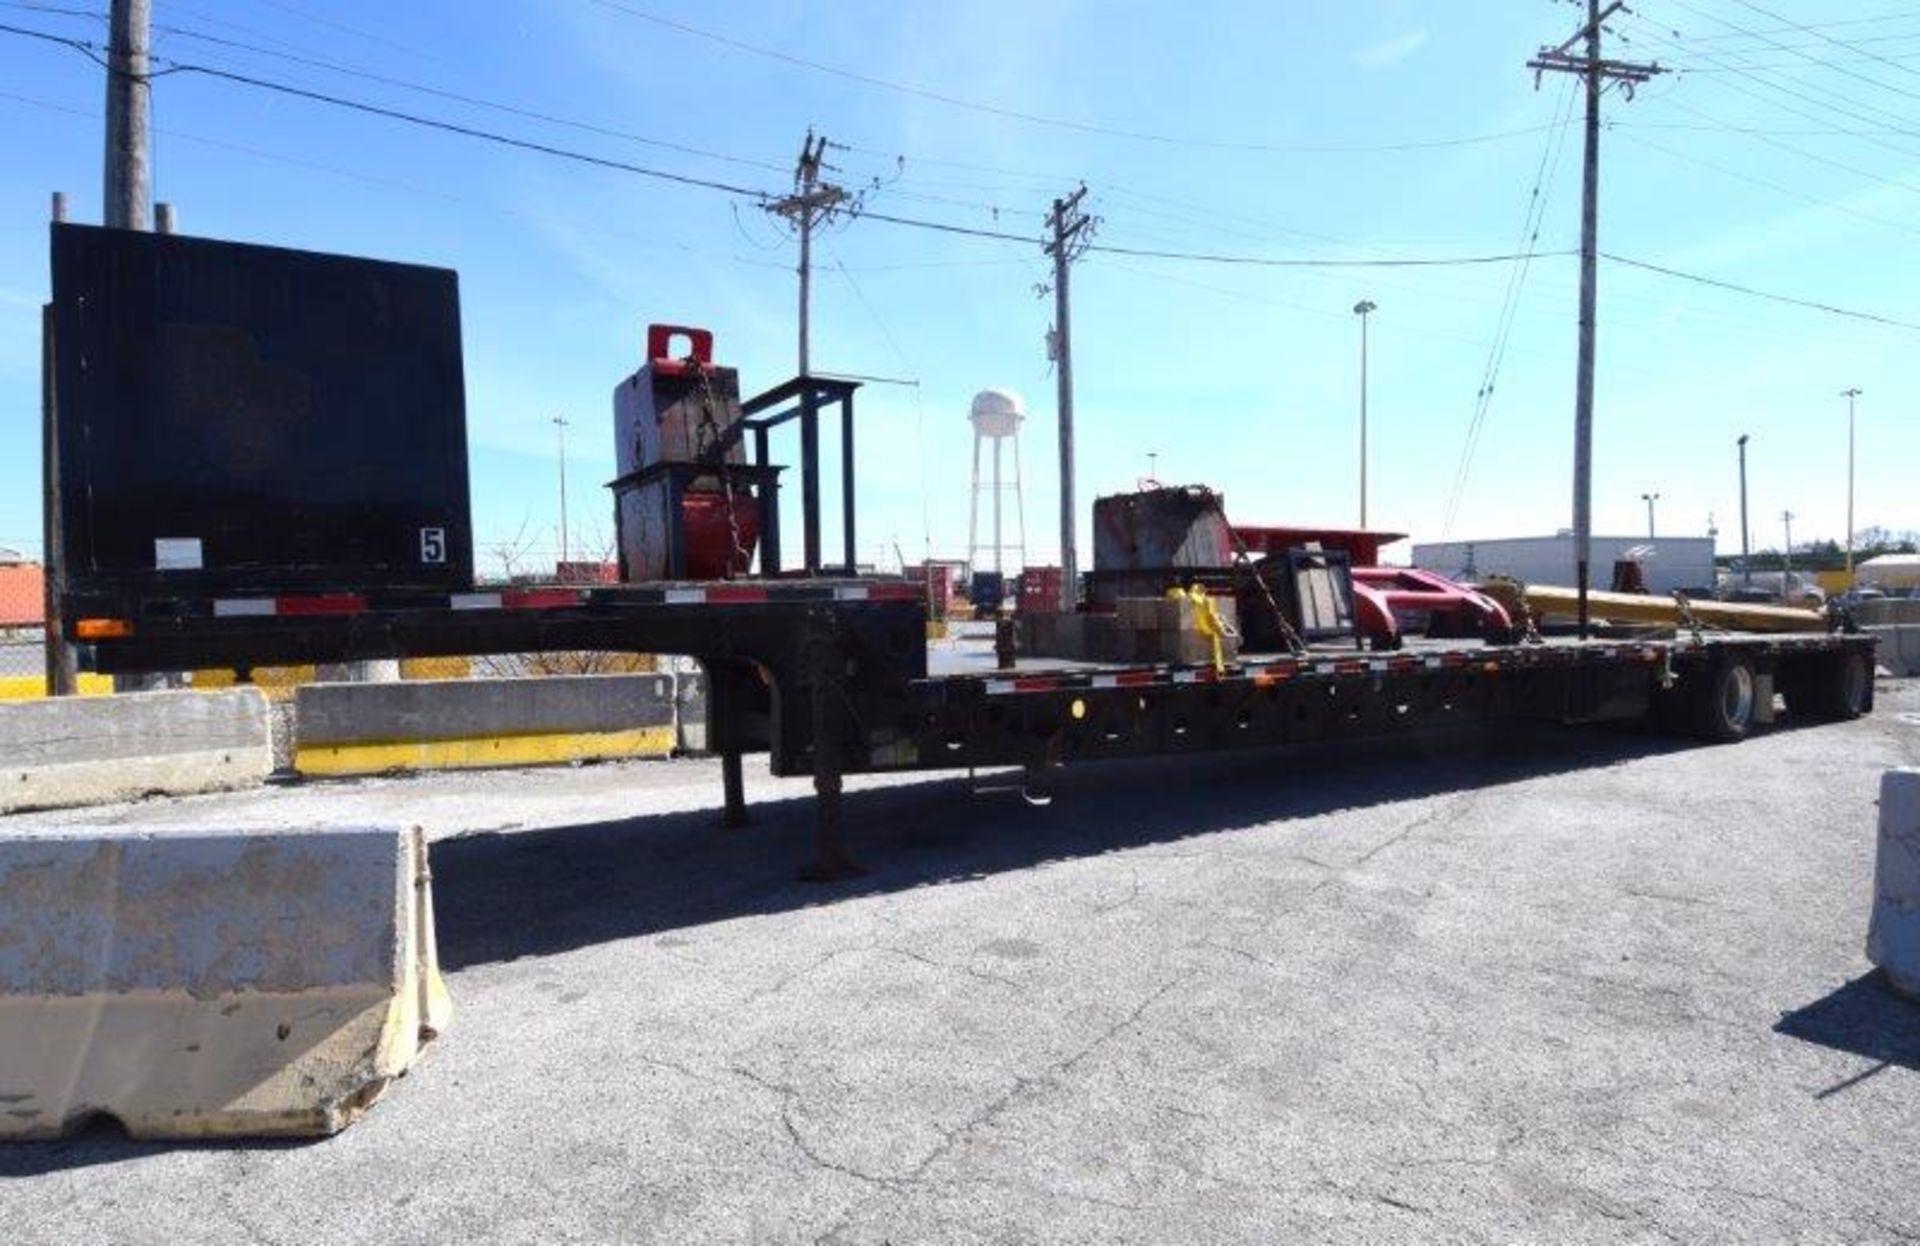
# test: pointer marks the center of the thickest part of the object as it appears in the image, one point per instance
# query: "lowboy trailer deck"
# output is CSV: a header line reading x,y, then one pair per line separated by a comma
x,y
831,677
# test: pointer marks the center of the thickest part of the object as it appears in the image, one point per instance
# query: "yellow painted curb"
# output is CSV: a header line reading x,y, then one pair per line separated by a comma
x,y
517,750
34,687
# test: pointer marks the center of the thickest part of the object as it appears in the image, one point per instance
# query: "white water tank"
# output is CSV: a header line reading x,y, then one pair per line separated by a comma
x,y
997,413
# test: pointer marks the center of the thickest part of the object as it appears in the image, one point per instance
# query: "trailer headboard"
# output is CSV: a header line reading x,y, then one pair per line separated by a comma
x,y
238,419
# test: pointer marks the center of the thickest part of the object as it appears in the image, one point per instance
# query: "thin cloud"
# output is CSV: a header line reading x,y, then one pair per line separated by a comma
x,y
1391,51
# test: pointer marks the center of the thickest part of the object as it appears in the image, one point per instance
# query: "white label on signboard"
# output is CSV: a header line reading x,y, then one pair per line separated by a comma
x,y
176,553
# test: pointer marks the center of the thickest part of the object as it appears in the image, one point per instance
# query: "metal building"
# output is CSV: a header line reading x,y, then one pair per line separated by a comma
x,y
1669,563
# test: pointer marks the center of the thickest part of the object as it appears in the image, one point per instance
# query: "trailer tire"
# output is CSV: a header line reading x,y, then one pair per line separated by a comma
x,y
1832,691
1722,703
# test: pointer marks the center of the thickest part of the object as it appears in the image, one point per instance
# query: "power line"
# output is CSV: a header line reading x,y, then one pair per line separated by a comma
x,y
1269,261
1809,57
1827,38
1804,154
1848,103
1828,204
652,241
1083,127
1715,282
1888,122
475,101
1543,179
1902,16
571,154
454,127
348,28
941,226
945,228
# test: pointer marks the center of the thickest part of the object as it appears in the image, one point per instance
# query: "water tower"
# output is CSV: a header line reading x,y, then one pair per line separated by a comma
x,y
996,417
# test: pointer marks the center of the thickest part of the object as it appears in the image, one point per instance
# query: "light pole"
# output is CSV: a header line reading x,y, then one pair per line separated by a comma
x,y
560,424
1362,309
1786,557
1649,499
1746,552
1850,395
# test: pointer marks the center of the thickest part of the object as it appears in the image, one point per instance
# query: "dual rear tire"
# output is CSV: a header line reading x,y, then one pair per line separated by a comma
x,y
1833,690
1720,703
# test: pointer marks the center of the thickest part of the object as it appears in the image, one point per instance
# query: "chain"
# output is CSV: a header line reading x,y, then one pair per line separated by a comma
x,y
710,443
1688,619
1245,558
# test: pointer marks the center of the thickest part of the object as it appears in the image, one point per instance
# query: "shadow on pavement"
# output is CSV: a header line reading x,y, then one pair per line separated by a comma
x,y
1863,1018
503,895
103,1141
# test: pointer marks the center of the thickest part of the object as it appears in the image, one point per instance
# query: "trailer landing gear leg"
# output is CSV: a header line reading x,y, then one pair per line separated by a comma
x,y
830,860
733,787
830,863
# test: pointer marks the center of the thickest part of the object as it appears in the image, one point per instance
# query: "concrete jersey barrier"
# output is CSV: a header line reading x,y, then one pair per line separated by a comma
x,y
91,750
369,728
1893,936
1899,647
211,983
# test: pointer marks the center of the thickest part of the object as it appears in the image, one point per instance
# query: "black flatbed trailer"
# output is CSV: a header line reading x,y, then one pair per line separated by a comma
x,y
257,457
833,676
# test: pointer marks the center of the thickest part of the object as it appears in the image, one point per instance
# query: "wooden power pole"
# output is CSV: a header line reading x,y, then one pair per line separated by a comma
x,y
1597,71
811,202
63,673
1071,228
129,191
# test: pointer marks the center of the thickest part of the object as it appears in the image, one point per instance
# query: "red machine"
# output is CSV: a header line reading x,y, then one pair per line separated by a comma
x,y
1384,598
1387,599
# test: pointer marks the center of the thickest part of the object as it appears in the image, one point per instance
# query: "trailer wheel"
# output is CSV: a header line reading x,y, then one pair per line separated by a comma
x,y
1834,691
1722,704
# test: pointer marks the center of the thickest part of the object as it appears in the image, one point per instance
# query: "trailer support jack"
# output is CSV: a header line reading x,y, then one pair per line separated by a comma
x,y
825,669
734,789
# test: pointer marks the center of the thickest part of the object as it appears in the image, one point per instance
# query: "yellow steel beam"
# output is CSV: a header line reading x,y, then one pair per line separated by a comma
x,y
1548,600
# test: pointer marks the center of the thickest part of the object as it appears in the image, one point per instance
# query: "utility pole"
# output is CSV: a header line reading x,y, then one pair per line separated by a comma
x,y
1850,395
1363,309
1597,71
1649,499
1746,548
63,673
127,189
129,192
1786,555
560,425
811,202
1072,230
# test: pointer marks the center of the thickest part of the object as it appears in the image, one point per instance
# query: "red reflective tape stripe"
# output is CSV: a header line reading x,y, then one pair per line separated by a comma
x,y
1454,659
1349,668
321,603
540,599
894,592
1402,664
1285,670
1035,685
720,594
1133,679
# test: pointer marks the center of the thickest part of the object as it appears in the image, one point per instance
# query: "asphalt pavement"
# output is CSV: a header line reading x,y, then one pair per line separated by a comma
x,y
1521,985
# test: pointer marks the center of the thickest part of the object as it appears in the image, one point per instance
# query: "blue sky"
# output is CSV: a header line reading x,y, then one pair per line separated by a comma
x,y
1782,159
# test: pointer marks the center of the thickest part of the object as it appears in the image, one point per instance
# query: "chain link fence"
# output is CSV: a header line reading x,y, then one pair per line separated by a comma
x,y
23,660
